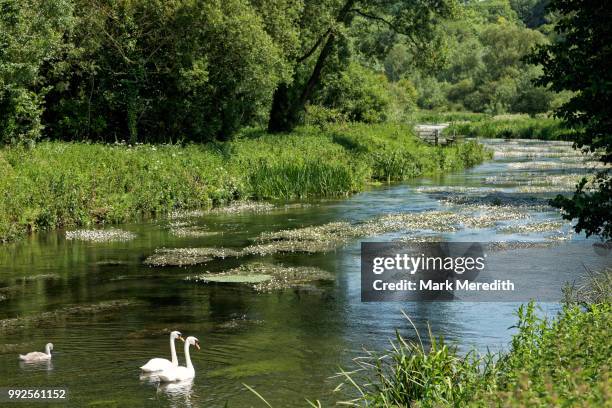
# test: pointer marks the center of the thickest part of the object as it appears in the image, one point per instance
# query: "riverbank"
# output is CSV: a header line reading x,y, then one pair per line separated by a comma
x,y
61,184
564,361
511,127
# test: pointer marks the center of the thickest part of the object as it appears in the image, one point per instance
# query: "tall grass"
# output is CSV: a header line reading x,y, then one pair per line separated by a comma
x,y
512,128
560,362
58,184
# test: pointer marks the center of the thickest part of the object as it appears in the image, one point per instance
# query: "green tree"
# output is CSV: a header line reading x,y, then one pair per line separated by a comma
x,y
581,61
150,70
358,93
531,12
323,39
31,33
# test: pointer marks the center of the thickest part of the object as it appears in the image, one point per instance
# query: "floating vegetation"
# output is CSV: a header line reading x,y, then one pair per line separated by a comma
x,y
42,276
16,323
547,165
543,189
319,238
420,238
544,226
181,214
525,202
537,179
225,278
106,235
265,277
560,236
188,256
6,291
112,262
238,322
457,189
513,245
328,237
238,207
488,215
534,154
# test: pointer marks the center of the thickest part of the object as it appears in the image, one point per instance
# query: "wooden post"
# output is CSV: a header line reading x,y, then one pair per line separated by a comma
x,y
436,131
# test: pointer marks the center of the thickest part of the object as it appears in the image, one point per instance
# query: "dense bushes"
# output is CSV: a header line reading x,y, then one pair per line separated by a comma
x,y
485,68
64,184
31,37
157,71
140,71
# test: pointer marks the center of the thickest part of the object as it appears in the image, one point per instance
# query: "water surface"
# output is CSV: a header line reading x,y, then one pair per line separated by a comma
x,y
287,343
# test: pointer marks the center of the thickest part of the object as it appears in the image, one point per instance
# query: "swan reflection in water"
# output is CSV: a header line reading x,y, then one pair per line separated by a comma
x,y
43,365
178,393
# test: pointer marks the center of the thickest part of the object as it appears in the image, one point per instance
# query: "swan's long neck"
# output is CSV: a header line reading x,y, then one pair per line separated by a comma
x,y
173,352
47,350
187,356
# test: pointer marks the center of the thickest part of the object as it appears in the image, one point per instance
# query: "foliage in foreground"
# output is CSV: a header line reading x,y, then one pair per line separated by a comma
x,y
560,362
579,61
57,184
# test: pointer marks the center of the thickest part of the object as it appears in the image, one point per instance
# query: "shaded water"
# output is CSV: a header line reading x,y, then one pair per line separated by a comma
x,y
286,343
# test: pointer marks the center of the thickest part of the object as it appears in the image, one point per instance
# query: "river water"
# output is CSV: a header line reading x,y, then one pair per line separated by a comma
x,y
284,343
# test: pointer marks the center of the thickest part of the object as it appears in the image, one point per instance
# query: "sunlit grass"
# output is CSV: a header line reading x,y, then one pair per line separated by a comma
x,y
512,128
560,362
58,184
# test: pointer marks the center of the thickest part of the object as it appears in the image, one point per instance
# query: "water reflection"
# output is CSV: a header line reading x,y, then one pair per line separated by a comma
x,y
40,365
178,393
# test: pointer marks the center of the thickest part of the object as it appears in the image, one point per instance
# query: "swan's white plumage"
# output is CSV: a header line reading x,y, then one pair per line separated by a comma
x,y
181,373
161,364
37,355
157,364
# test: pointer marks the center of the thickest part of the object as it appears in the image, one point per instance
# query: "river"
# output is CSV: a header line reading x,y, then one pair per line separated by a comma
x,y
284,343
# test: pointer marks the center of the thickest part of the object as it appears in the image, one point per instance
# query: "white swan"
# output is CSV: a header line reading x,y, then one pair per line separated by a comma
x,y
160,364
181,373
37,355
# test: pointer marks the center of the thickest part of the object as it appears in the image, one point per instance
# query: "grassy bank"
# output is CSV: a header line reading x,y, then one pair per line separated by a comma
x,y
560,362
58,184
511,127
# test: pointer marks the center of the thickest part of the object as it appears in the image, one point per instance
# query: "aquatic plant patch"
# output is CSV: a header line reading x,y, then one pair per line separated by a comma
x,y
265,277
41,276
544,226
514,245
238,207
547,165
96,235
188,256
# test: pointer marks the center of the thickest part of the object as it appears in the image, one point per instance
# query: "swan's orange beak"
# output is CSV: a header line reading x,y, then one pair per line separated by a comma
x,y
197,345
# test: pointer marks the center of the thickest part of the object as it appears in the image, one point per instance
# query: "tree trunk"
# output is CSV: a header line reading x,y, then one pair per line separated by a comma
x,y
283,115
289,101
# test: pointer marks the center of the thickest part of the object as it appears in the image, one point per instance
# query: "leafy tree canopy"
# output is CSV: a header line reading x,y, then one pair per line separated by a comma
x,y
581,61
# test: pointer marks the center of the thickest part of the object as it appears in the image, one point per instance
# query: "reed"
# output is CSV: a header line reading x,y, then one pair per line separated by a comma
x,y
513,127
560,362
